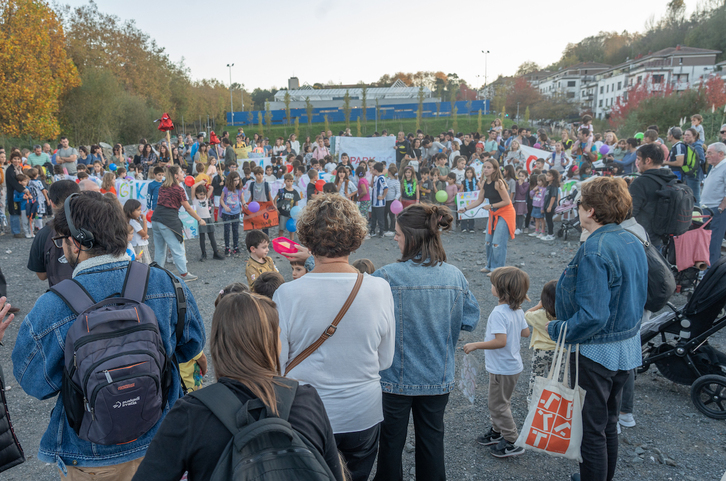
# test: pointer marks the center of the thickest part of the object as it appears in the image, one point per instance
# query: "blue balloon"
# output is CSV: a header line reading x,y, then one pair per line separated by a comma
x,y
290,225
112,167
295,212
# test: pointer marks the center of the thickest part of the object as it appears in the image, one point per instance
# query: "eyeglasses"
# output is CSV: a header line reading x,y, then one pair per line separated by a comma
x,y
58,241
723,131
578,203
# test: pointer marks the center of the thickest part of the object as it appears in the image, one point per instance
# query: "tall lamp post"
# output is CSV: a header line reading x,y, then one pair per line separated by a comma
x,y
486,54
231,103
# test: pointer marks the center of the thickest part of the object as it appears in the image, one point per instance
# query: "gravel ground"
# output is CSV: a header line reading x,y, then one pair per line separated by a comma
x,y
668,425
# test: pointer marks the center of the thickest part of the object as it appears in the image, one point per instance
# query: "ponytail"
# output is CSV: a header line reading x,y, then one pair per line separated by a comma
x,y
420,225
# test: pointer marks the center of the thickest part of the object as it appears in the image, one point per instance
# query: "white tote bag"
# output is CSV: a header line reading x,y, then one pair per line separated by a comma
x,y
554,421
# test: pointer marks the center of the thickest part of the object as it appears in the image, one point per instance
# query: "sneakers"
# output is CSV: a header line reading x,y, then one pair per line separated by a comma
x,y
217,256
490,438
235,253
626,420
547,238
227,252
203,258
189,277
505,449
517,232
526,230
368,236
534,234
389,234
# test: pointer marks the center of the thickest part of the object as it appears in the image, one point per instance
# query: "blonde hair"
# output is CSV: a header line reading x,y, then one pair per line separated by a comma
x,y
170,179
109,181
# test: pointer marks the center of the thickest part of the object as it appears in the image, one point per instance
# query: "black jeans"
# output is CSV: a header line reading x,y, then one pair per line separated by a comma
x,y
3,285
389,222
378,215
359,451
550,222
231,223
428,422
599,418
212,241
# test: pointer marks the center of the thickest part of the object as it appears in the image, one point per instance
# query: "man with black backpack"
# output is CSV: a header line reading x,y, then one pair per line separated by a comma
x,y
684,160
106,342
659,197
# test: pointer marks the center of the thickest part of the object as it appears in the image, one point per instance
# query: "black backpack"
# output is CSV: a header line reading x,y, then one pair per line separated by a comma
x,y
661,282
674,208
117,373
264,447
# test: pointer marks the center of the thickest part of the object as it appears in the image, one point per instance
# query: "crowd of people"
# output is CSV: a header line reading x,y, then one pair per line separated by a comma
x,y
345,374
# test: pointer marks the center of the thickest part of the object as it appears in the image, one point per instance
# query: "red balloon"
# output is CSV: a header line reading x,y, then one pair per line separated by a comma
x,y
189,180
289,168
148,215
319,185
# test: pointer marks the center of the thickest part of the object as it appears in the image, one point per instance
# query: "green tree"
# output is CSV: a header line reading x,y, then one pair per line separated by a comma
x,y
297,127
364,105
309,110
250,117
455,119
526,115
478,122
419,112
357,125
327,126
260,128
346,109
287,107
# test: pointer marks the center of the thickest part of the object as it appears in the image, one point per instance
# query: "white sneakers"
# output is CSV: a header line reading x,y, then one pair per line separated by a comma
x,y
389,234
547,238
517,232
627,420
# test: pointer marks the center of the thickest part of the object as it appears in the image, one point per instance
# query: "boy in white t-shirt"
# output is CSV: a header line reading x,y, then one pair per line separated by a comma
x,y
505,326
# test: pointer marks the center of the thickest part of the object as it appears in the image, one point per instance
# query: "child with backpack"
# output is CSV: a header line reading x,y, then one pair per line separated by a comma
x,y
259,190
286,199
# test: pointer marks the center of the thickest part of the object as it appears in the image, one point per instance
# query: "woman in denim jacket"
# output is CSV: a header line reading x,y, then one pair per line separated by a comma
x,y
601,297
432,304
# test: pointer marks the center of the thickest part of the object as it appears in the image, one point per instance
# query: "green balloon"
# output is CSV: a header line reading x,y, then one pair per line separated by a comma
x,y
442,196
639,136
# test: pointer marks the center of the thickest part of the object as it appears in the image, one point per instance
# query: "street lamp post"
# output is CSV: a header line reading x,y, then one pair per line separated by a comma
x,y
231,103
486,92
517,112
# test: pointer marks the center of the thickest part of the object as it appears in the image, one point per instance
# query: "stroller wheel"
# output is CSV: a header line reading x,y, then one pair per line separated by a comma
x,y
564,235
708,394
560,232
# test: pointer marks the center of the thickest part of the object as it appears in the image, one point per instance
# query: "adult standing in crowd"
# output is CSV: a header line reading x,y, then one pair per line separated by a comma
x,y
230,156
100,267
345,368
245,344
67,157
14,169
691,138
714,196
502,217
167,225
600,298
628,161
722,132
37,158
433,304
644,188
46,259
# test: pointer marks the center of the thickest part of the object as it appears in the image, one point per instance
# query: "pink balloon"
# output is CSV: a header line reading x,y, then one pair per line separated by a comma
x,y
537,145
253,207
396,207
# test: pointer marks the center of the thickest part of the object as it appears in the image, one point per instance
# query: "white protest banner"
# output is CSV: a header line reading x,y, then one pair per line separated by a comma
x,y
464,199
532,155
363,149
189,225
257,161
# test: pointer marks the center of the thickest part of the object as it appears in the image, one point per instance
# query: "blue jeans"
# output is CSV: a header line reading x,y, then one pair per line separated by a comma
x,y
163,236
718,229
695,185
496,244
15,224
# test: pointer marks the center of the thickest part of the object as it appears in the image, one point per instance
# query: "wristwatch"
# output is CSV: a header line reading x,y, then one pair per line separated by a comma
x,y
720,210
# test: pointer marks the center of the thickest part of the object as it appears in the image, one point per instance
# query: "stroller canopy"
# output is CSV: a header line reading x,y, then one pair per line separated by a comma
x,y
710,295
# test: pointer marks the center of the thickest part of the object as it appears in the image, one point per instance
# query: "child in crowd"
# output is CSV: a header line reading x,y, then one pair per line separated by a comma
x,y
129,246
469,185
380,189
140,239
538,317
696,121
231,203
269,174
286,199
40,198
24,199
551,200
298,269
311,190
259,190
520,200
58,173
258,245
427,186
459,170
410,192
443,171
217,187
538,195
364,191
152,194
451,191
330,188
393,193
364,266
505,326
98,171
202,203
109,184
267,283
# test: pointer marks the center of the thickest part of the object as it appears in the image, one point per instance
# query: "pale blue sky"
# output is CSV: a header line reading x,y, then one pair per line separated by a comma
x,y
346,41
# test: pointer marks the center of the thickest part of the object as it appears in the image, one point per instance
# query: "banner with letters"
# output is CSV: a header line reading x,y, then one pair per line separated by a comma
x,y
262,219
464,199
360,149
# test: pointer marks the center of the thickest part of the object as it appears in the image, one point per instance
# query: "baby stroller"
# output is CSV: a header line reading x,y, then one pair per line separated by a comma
x,y
686,280
567,204
677,343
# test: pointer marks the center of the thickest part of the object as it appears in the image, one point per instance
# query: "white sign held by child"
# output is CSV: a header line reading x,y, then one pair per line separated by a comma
x,y
464,199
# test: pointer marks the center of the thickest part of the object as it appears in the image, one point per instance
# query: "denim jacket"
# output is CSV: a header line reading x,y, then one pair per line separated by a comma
x,y
38,358
431,304
601,294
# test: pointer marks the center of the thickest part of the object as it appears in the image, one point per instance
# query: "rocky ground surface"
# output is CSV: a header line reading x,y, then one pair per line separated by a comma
x,y
671,441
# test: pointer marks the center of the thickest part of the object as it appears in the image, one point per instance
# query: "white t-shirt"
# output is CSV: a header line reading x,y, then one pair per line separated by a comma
x,y
344,370
459,175
505,360
136,240
202,207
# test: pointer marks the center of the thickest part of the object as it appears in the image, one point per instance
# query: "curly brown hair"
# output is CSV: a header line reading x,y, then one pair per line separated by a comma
x,y
331,226
609,197
512,284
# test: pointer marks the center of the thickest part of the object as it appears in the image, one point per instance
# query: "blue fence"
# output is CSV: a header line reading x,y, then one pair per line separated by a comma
x,y
386,112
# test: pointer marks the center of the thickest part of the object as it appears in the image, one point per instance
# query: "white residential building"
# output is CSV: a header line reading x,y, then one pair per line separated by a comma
x,y
568,81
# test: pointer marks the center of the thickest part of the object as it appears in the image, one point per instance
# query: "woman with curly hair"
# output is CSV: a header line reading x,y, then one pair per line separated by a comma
x,y
345,368
432,304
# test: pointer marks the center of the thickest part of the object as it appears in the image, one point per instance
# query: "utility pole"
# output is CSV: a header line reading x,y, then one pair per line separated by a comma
x,y
486,53
231,103
517,112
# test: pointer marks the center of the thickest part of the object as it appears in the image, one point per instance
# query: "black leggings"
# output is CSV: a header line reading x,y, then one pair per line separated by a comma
x,y
550,222
212,241
231,223
390,218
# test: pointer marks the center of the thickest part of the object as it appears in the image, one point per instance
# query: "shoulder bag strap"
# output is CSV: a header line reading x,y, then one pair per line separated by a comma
x,y
138,275
330,330
74,295
223,403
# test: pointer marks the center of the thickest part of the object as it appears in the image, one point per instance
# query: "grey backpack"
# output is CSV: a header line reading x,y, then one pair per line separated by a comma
x,y
117,373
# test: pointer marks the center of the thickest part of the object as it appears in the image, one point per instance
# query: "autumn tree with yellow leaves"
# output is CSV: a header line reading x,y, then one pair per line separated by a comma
x,y
35,70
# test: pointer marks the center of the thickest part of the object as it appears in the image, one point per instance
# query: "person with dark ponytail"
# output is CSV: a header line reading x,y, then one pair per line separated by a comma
x,y
432,303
